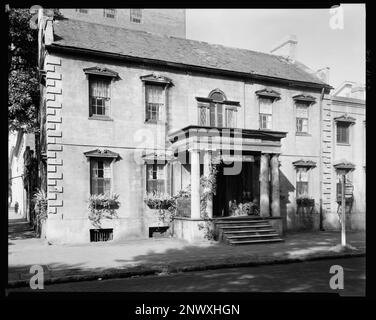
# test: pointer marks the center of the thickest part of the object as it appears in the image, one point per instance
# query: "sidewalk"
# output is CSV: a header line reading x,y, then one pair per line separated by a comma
x,y
64,263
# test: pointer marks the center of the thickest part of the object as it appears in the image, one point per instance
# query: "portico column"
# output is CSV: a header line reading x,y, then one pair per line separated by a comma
x,y
276,209
195,184
207,168
264,185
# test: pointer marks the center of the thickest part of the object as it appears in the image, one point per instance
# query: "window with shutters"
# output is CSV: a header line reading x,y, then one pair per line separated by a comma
x,y
100,176
155,178
302,182
343,132
109,13
154,99
99,96
266,112
215,112
82,10
230,117
301,118
136,15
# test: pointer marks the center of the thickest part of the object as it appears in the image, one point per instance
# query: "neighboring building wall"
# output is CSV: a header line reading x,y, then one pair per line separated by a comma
x,y
170,22
354,152
70,133
17,171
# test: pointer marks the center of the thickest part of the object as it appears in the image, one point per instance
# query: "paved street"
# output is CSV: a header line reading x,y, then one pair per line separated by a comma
x,y
295,277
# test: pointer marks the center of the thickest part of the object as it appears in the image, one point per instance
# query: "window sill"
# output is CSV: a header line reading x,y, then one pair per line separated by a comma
x,y
155,122
102,118
303,134
343,144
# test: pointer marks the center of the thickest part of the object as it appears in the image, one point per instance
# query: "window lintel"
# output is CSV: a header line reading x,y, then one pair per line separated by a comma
x,y
156,78
304,98
99,71
345,119
268,93
304,164
101,153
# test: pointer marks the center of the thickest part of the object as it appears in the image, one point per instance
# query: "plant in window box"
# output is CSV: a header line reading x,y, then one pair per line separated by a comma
x,y
304,204
103,206
163,202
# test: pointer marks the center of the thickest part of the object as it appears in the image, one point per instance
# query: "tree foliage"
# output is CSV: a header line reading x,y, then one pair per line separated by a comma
x,y
23,78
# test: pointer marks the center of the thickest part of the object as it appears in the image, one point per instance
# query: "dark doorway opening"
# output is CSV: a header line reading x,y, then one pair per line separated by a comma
x,y
241,187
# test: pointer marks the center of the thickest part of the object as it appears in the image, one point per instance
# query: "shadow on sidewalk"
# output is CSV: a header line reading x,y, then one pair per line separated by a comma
x,y
19,229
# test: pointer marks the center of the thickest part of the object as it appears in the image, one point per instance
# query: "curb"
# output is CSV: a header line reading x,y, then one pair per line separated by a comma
x,y
197,265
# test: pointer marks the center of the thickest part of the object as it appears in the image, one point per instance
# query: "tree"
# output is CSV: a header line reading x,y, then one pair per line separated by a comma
x,y
23,77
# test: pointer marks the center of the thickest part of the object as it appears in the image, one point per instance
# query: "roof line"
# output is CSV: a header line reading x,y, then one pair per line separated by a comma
x,y
58,47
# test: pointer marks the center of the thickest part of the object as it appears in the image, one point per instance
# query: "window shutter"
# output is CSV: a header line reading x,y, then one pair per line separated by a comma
x,y
266,106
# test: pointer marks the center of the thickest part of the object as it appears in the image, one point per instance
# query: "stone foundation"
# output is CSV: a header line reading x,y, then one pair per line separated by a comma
x,y
188,229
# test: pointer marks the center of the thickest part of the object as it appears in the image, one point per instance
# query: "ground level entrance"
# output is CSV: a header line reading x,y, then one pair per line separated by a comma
x,y
235,189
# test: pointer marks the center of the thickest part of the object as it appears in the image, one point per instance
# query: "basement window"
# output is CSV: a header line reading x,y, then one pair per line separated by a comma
x,y
98,235
158,232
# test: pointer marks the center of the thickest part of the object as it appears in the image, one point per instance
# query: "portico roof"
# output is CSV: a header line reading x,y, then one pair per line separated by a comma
x,y
214,138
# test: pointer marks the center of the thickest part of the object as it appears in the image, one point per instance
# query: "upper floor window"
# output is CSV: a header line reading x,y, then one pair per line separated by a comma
x,y
266,112
99,96
301,117
214,112
100,80
100,176
343,124
155,178
343,132
154,99
136,15
109,13
82,10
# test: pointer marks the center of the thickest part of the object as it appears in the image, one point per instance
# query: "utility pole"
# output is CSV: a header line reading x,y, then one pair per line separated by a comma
x,y
343,216
342,169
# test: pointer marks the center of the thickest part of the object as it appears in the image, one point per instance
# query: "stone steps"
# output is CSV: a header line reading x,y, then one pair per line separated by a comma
x,y
245,230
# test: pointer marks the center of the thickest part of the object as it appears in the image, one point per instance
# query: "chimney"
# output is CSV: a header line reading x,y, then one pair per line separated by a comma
x,y
286,47
323,74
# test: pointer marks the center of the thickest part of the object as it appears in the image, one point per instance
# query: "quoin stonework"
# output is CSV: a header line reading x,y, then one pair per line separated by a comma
x,y
131,107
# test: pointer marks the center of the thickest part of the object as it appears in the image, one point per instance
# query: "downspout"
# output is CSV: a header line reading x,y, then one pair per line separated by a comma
x,y
320,167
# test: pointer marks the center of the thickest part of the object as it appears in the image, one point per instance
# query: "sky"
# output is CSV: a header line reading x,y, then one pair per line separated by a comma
x,y
323,41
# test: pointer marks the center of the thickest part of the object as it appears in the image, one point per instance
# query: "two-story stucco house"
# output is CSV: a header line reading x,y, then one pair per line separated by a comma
x,y
127,110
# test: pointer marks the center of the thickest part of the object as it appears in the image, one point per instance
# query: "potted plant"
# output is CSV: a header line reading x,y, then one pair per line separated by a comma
x,y
40,207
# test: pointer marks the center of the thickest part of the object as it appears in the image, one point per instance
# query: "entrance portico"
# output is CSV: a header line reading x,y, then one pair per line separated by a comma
x,y
197,145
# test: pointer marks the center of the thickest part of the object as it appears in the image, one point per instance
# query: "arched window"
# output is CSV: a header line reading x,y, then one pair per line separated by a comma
x,y
217,95
216,111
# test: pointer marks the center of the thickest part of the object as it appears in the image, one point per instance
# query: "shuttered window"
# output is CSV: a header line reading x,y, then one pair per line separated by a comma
x,y
301,118
154,102
136,15
109,13
155,178
343,132
99,96
100,175
230,117
266,112
302,182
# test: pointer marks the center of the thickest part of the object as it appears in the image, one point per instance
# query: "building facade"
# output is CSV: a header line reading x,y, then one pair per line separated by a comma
x,y
21,158
344,141
131,112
